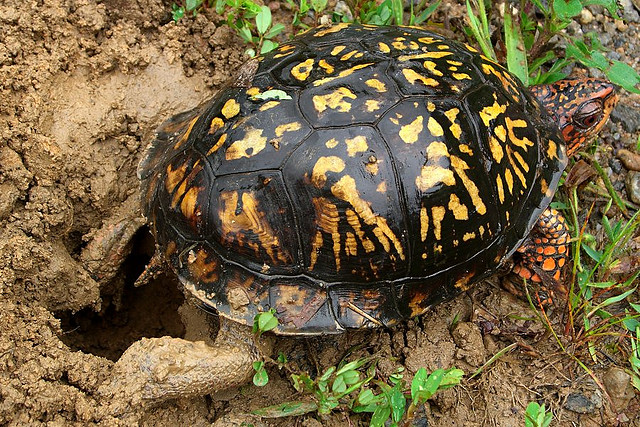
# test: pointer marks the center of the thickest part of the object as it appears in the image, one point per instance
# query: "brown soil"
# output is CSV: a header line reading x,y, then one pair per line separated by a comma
x,y
84,84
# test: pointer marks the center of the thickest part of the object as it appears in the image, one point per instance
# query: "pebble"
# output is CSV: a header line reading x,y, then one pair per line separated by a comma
x,y
629,159
628,116
628,11
633,186
618,385
580,403
586,17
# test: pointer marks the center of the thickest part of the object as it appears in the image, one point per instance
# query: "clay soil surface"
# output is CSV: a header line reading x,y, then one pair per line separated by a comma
x,y
84,83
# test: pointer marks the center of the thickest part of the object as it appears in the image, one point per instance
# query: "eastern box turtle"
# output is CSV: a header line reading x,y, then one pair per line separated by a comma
x,y
357,175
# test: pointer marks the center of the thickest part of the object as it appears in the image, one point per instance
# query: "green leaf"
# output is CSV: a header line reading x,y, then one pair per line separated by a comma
x,y
263,19
318,6
365,397
565,10
338,385
192,4
274,31
425,14
417,384
260,378
177,12
271,94
380,415
398,9
245,34
268,46
516,55
398,403
624,75
351,377
287,409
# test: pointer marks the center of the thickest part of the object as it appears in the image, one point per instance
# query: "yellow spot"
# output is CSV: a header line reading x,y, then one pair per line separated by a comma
x,y
552,151
253,91
336,50
544,186
186,134
508,176
426,55
496,149
431,66
468,236
252,143
315,248
500,132
427,40
372,105
382,187
437,212
432,173
412,77
452,62
492,112
377,85
521,161
372,165
332,143
523,142
470,48
324,165
268,105
216,124
461,76
481,230
342,74
328,68
218,144
460,211
230,108
345,189
424,223
348,56
464,148
409,133
188,204
460,166
350,244
500,189
287,127
303,69
332,29
174,176
399,45
434,127
430,106
354,222
356,145
334,100
384,48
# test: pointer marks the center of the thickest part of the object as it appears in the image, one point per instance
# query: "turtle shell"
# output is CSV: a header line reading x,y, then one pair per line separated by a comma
x,y
351,178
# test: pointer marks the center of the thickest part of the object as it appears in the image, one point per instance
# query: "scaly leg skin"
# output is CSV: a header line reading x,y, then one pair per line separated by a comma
x,y
540,260
154,370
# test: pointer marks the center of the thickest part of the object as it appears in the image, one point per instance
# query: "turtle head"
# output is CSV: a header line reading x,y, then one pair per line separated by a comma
x,y
580,107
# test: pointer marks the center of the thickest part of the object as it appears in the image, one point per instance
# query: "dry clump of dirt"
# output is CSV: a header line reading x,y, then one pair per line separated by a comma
x,y
83,86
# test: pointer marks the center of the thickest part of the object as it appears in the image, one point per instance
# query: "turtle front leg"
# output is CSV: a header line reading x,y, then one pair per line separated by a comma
x,y
154,370
541,259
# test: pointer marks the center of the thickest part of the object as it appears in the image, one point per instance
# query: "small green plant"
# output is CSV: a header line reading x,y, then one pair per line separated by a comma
x,y
263,322
390,12
537,416
526,41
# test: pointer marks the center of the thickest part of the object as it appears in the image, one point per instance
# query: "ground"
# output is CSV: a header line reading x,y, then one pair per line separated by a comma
x,y
84,84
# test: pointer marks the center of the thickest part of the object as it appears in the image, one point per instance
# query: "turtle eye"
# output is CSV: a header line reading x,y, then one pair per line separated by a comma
x,y
588,115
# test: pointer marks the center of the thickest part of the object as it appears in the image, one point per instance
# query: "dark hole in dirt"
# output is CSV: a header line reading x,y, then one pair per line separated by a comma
x,y
128,313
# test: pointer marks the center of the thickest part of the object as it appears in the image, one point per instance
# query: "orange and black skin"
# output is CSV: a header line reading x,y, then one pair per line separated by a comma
x,y
352,178
580,107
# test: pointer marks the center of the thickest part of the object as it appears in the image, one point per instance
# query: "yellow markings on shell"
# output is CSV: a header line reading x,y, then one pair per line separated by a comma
x,y
186,134
342,74
332,143
328,68
382,187
461,76
504,78
252,143
201,270
470,48
508,177
269,105
464,148
500,186
218,144
189,202
468,236
288,127
523,142
430,106
481,230
437,213
434,127
334,100
460,166
324,165
384,48
337,49
521,161
302,70
250,219
409,133
425,55
231,108
452,62
431,66
182,188
345,189
348,56
173,177
377,85
544,186
372,105
332,29
424,223
443,46
427,40
356,145
327,220
552,151
492,112
216,124
460,211
372,165
516,170
354,222
398,44
284,50
413,45
496,149
350,244
432,173
412,77
500,132
253,91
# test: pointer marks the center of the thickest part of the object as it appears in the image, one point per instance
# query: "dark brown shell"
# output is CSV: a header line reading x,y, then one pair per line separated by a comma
x,y
351,178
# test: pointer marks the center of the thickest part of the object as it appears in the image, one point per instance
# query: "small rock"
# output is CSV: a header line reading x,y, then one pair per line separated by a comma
x,y
629,159
628,11
468,338
628,115
618,385
633,186
580,403
586,17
